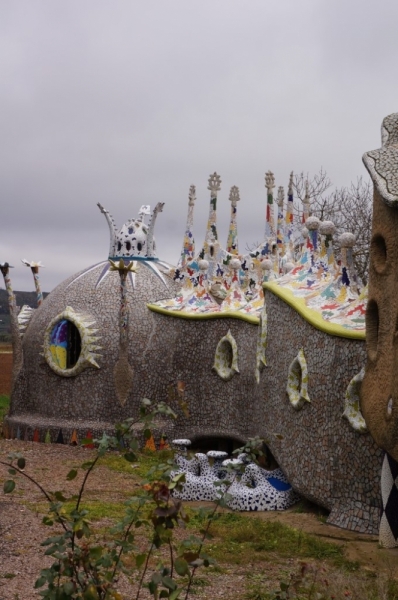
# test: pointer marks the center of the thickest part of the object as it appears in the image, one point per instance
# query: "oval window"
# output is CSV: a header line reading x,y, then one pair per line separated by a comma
x,y
226,357
65,344
70,345
297,381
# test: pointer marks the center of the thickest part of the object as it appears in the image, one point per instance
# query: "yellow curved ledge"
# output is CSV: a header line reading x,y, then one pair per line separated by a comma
x,y
233,314
312,316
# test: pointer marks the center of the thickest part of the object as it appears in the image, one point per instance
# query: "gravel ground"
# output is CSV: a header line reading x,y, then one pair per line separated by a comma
x,y
21,529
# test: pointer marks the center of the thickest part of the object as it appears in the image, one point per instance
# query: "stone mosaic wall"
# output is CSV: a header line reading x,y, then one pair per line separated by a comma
x,y
163,354
322,456
90,395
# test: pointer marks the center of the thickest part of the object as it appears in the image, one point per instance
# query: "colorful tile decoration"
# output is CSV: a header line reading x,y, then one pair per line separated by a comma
x,y
188,246
300,267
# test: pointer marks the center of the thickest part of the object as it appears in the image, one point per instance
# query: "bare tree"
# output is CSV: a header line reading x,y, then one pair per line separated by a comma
x,y
350,209
314,188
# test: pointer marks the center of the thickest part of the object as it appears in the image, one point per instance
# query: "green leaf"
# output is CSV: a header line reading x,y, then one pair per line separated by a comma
x,y
175,594
147,434
181,566
86,465
284,586
69,588
9,486
40,582
71,475
12,471
130,457
134,444
139,560
21,462
59,496
169,583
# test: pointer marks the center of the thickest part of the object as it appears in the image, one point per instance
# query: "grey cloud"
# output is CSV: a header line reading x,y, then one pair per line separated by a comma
x,y
128,103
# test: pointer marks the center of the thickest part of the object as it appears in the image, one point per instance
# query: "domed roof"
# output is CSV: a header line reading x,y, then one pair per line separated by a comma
x,y
72,343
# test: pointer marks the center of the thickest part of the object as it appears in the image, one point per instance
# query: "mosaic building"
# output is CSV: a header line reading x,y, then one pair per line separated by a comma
x,y
269,342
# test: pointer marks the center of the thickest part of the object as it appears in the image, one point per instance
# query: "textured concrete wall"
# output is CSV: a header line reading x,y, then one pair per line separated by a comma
x,y
323,457
380,385
162,351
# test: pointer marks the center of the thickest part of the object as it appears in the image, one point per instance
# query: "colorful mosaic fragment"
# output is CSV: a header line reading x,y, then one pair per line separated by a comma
x,y
188,247
232,241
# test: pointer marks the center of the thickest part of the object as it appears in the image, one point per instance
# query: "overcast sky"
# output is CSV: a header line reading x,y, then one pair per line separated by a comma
x,y
129,102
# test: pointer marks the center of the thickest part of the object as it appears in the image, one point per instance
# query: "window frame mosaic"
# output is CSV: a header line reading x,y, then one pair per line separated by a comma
x,y
297,386
352,404
88,339
221,362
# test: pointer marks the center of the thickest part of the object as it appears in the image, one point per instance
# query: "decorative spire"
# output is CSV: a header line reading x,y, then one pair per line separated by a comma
x,y
280,228
144,210
214,187
188,247
232,241
306,203
112,229
34,266
135,239
150,241
4,268
270,219
289,210
15,333
326,230
349,278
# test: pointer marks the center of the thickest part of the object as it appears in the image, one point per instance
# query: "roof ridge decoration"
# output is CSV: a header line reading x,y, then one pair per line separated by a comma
x,y
232,241
280,224
214,185
150,240
188,246
269,217
381,163
135,239
221,282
